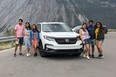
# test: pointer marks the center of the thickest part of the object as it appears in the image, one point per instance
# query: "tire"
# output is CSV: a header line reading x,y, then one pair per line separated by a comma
x,y
79,53
42,51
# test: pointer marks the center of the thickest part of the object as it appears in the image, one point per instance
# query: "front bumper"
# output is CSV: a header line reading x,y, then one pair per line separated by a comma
x,y
71,51
64,48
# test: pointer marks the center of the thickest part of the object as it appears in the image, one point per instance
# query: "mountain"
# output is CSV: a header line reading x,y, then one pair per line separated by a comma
x,y
72,12
99,10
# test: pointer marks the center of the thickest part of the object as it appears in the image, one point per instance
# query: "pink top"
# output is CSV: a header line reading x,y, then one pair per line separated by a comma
x,y
85,35
19,30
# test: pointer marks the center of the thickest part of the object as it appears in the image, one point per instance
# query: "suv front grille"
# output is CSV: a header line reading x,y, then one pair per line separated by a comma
x,y
66,40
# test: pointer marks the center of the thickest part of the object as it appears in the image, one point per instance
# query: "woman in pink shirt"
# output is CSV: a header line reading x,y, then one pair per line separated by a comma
x,y
84,35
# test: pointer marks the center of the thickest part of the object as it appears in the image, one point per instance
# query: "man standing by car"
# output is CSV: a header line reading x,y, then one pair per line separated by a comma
x,y
19,29
91,30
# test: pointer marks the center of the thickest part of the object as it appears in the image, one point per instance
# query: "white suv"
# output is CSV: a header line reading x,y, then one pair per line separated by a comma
x,y
58,38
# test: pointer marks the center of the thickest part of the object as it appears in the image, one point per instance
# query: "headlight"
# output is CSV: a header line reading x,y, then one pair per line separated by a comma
x,y
49,38
78,38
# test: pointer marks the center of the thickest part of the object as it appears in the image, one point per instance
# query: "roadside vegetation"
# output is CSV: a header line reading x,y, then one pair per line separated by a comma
x,y
5,45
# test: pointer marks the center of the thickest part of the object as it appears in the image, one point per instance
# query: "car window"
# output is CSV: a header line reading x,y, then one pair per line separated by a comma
x,y
39,27
55,28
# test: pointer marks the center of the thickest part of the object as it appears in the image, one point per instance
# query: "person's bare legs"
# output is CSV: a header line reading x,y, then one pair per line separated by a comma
x,y
35,51
99,47
93,49
20,50
89,52
16,46
87,49
28,50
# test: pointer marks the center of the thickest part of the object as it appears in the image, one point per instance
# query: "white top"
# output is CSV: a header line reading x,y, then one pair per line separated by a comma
x,y
27,33
85,35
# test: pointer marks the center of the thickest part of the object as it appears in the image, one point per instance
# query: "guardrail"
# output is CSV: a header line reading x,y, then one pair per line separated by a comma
x,y
7,39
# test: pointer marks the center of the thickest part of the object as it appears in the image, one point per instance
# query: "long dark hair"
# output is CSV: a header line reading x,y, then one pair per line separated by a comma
x,y
83,28
101,26
36,29
29,27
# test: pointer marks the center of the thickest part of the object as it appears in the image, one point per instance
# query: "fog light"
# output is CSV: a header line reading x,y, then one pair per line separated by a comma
x,y
48,45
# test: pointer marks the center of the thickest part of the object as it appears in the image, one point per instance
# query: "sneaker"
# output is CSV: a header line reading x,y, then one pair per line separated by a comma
x,y
93,56
101,56
21,54
15,55
88,57
35,55
84,55
28,54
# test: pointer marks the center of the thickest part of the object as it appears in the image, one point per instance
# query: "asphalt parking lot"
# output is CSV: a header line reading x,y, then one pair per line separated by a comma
x,y
61,65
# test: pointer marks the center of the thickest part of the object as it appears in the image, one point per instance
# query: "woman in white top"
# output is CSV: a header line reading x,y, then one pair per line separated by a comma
x,y
27,40
84,35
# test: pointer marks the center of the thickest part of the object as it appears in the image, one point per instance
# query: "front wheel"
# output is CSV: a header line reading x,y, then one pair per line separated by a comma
x,y
42,51
79,52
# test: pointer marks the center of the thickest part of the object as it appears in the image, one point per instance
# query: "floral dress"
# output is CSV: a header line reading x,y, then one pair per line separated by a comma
x,y
35,41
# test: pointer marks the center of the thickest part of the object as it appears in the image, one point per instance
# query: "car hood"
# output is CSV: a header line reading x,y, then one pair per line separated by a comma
x,y
77,27
62,34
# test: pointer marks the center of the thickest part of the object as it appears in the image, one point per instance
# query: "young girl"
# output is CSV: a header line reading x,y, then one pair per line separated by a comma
x,y
84,35
27,41
99,32
35,38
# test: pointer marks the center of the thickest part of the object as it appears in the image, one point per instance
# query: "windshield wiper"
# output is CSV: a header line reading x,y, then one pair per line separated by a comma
x,y
47,31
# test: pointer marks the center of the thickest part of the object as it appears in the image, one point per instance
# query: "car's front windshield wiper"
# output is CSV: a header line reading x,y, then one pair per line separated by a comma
x,y
47,31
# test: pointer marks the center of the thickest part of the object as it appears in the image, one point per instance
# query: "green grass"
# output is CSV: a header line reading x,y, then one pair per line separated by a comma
x,y
3,43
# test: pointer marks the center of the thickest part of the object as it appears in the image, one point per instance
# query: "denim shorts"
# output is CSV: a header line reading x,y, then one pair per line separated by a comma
x,y
87,41
93,42
20,40
100,40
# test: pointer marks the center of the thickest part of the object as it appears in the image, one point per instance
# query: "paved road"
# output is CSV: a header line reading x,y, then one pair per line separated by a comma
x,y
61,66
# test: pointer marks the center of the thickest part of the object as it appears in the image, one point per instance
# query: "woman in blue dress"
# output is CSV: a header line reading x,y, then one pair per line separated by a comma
x,y
27,40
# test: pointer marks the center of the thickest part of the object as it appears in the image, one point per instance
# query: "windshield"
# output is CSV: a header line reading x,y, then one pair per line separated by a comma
x,y
55,28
